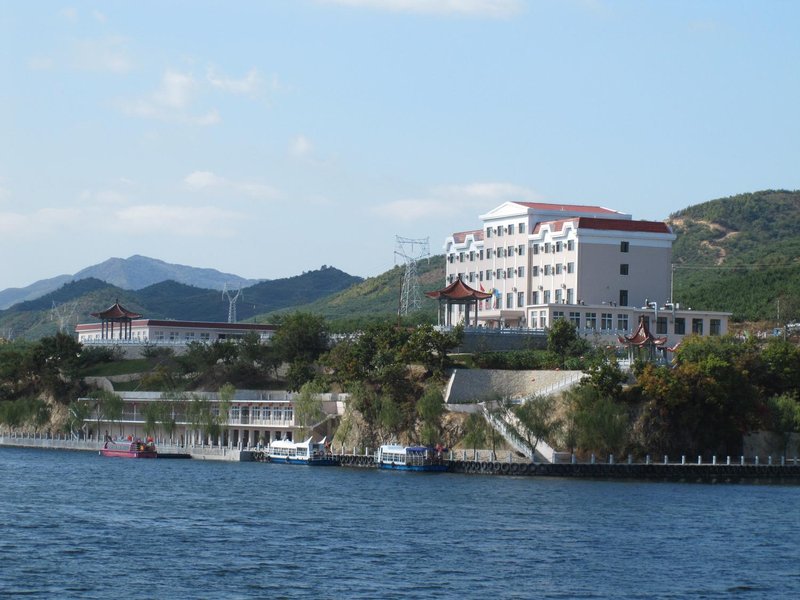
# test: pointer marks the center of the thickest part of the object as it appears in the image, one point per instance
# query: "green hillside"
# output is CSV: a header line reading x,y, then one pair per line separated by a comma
x,y
166,300
377,297
740,254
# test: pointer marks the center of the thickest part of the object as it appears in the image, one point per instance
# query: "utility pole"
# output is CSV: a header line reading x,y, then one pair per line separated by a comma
x,y
232,298
411,251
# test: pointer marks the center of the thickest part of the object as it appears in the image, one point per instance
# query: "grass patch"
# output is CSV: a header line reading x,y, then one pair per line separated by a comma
x,y
120,367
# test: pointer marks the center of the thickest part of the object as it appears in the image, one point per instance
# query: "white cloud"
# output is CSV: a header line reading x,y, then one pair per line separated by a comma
x,y
444,201
70,14
175,91
40,63
490,191
185,221
39,222
203,179
496,9
300,147
171,102
249,84
206,180
99,17
107,54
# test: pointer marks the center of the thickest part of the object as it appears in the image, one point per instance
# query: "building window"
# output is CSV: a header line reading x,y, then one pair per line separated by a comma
x,y
535,248
661,325
622,322
570,267
697,326
558,315
472,277
624,246
488,232
520,299
535,272
559,295
510,229
623,297
546,297
521,249
543,319
623,269
488,275
510,251
499,273
559,268
714,327
480,254
534,297
460,257
510,272
591,320
499,301
547,269
575,319
547,247
680,326
471,255
488,253
499,231
570,296
559,246
606,321
521,228
521,271
570,245
510,300
450,258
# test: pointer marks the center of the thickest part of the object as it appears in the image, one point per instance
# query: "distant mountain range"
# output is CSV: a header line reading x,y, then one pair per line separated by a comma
x,y
134,273
739,254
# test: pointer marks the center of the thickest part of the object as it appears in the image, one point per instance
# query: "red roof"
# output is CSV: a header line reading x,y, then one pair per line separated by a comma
x,y
607,225
461,236
116,311
575,208
189,325
642,336
458,290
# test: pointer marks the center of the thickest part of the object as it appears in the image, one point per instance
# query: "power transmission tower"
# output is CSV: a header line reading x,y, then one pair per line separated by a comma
x,y
232,298
411,251
63,313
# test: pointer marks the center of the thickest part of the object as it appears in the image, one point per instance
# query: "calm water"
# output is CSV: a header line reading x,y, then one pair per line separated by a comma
x,y
77,525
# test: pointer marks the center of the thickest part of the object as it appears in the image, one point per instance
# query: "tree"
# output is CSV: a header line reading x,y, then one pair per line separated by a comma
x,y
536,420
430,408
475,432
601,424
561,338
108,406
301,337
785,412
308,408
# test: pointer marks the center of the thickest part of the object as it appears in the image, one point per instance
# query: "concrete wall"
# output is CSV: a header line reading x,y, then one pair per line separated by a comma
x,y
478,385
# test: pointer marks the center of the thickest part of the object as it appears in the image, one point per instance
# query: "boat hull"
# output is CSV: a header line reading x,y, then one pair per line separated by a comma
x,y
315,462
402,467
129,453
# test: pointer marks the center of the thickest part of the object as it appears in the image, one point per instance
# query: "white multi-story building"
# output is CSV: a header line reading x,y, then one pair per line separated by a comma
x,y
598,267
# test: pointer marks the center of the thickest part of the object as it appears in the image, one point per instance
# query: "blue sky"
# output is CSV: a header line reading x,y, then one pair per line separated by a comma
x,y
269,138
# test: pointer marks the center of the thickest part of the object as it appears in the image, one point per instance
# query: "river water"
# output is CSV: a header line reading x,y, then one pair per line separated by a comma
x,y
77,525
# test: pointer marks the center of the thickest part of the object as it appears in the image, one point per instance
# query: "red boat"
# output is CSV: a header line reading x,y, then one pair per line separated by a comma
x,y
129,449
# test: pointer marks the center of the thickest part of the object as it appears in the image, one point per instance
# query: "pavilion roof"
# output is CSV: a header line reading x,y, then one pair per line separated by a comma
x,y
642,336
116,311
458,290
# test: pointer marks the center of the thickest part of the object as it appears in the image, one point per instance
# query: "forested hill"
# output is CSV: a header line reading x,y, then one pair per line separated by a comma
x,y
740,254
74,301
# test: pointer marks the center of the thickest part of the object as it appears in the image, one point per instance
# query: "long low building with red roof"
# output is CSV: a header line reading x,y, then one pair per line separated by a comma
x,y
596,266
132,329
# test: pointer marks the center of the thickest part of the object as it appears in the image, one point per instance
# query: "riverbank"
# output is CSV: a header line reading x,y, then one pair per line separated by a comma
x,y
753,471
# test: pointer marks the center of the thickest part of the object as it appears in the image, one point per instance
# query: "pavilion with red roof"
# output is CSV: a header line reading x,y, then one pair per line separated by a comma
x,y
458,292
116,313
